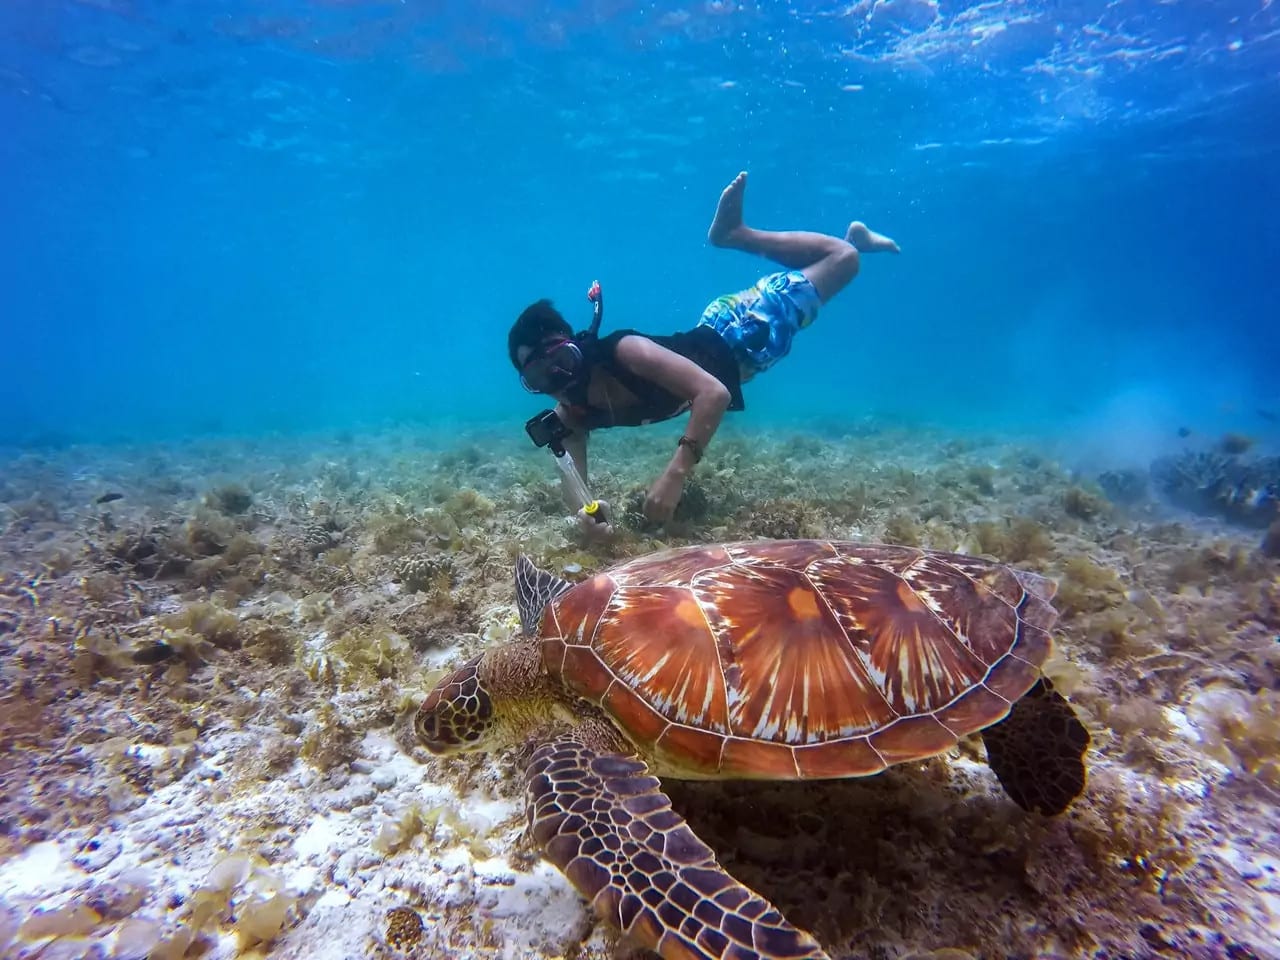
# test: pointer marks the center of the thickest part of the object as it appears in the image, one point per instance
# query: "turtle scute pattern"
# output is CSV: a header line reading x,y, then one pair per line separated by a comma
x,y
604,821
801,659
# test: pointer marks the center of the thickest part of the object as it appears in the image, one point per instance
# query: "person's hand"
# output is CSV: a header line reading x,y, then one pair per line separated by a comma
x,y
660,503
597,526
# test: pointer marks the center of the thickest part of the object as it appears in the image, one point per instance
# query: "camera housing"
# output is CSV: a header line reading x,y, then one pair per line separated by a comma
x,y
546,429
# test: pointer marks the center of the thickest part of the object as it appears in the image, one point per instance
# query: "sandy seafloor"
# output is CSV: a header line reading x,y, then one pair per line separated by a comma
x,y
206,686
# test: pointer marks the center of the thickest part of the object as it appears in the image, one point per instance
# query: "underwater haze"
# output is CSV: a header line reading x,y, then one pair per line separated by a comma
x,y
247,217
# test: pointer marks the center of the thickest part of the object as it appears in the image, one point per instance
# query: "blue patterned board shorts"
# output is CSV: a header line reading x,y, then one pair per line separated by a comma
x,y
759,323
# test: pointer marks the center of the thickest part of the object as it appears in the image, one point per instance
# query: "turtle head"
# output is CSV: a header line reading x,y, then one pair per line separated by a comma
x,y
490,701
457,715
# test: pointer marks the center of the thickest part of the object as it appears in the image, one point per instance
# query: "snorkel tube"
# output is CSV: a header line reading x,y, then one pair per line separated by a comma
x,y
548,430
596,296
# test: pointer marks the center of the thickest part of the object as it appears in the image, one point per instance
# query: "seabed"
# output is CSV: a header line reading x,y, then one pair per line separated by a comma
x,y
207,683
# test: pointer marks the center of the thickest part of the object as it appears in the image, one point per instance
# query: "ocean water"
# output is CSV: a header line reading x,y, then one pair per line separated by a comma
x,y
245,217
264,477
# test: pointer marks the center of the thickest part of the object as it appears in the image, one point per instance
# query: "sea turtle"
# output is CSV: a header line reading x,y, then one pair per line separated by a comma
x,y
766,660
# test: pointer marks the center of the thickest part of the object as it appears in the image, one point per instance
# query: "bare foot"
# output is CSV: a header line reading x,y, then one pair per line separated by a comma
x,y
728,219
868,241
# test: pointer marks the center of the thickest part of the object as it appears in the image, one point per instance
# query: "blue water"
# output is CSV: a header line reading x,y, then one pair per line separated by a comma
x,y
275,216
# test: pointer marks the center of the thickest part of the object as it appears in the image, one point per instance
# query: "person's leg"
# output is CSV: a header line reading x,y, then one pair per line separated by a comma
x,y
829,262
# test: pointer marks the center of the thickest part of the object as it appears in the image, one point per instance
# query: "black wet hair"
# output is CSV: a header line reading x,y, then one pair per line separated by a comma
x,y
539,321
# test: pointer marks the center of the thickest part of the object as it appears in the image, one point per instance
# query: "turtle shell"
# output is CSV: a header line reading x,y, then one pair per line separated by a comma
x,y
798,659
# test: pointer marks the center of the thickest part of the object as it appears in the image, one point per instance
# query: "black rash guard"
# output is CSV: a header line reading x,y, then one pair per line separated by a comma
x,y
703,345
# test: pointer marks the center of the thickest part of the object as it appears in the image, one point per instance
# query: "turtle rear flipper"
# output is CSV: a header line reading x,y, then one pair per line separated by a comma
x,y
609,827
1037,751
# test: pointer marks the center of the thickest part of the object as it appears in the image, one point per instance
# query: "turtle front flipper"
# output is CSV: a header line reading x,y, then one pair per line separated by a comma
x,y
1037,751
534,590
605,822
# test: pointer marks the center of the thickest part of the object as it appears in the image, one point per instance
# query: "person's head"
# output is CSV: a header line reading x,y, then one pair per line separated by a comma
x,y
543,351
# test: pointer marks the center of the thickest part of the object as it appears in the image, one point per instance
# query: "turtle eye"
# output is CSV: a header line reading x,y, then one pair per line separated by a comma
x,y
429,727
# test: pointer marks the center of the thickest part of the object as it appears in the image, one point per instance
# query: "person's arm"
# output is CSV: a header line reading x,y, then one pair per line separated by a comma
x,y
708,400
708,397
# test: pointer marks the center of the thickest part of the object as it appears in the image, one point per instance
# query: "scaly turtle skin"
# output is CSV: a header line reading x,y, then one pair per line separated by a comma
x,y
772,660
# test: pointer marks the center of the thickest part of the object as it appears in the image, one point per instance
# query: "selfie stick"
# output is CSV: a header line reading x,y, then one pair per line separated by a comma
x,y
590,506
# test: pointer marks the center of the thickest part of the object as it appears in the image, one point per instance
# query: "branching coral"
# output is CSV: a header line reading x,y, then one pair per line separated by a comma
x,y
1247,491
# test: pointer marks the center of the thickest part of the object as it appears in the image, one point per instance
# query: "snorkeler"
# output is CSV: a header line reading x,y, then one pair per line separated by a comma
x,y
630,378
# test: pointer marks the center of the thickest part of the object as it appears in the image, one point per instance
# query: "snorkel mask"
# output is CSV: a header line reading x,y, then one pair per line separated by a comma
x,y
559,364
553,367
